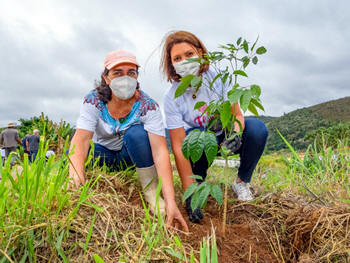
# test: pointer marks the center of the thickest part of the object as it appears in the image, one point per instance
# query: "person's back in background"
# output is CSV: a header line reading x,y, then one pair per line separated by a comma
x,y
33,145
10,139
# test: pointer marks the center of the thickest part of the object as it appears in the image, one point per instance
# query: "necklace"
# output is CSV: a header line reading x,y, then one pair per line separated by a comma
x,y
194,93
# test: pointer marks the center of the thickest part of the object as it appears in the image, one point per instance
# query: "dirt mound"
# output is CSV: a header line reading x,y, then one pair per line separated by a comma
x,y
243,240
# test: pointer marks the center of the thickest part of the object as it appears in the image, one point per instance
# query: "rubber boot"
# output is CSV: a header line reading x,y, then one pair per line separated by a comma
x,y
149,182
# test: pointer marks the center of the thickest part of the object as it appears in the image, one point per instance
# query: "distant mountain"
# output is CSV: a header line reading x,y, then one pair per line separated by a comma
x,y
334,109
296,124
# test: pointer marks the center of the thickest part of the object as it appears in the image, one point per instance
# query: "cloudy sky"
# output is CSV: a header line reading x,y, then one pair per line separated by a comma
x,y
52,52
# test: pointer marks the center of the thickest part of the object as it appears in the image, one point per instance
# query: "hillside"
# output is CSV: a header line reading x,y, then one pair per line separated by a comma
x,y
296,124
334,109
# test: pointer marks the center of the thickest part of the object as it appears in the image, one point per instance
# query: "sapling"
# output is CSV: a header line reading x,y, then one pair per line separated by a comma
x,y
230,64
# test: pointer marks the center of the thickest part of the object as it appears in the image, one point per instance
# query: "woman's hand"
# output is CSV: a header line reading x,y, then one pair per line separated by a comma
x,y
79,149
174,217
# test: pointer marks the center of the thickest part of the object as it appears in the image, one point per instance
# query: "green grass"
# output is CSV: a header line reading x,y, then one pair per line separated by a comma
x,y
321,174
41,220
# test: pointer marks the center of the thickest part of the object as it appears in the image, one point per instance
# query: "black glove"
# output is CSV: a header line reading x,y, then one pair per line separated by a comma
x,y
195,216
234,144
217,128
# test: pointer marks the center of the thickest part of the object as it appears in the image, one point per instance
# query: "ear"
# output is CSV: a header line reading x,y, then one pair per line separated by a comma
x,y
107,80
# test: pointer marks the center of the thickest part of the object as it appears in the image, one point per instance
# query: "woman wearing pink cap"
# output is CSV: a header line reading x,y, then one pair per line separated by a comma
x,y
127,129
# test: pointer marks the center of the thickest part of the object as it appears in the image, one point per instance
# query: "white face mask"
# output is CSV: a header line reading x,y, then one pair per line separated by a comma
x,y
123,87
185,68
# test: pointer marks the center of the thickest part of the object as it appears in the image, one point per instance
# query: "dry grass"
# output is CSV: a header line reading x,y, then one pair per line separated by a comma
x,y
294,229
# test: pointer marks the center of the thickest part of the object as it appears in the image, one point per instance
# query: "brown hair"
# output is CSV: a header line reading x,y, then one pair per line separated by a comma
x,y
176,37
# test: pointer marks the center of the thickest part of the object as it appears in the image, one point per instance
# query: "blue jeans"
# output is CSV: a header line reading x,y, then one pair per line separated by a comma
x,y
136,150
253,143
32,156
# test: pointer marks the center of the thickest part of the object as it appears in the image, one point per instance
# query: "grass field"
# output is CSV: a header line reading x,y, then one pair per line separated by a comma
x,y
301,214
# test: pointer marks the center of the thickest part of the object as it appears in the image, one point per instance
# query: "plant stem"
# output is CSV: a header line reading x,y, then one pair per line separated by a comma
x,y
226,174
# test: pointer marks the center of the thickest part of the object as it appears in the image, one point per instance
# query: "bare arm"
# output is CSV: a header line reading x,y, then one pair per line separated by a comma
x,y
80,143
161,160
236,110
182,164
162,163
27,145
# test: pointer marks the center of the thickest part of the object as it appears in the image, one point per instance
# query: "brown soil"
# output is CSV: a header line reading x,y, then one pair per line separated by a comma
x,y
243,240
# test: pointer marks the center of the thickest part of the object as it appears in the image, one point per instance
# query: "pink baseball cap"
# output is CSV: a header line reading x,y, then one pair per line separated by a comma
x,y
119,56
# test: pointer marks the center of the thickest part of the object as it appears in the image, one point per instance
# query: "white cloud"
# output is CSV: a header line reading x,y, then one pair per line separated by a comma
x,y
52,51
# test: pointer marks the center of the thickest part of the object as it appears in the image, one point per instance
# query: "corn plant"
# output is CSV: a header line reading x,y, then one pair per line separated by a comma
x,y
54,133
220,112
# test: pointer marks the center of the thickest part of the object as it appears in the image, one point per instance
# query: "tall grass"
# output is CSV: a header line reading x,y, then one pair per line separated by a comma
x,y
31,203
322,173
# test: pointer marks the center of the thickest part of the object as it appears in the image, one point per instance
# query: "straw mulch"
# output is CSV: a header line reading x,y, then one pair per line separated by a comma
x,y
296,231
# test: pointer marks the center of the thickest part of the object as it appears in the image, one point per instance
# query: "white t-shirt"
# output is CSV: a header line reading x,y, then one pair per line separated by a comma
x,y
94,116
49,153
179,112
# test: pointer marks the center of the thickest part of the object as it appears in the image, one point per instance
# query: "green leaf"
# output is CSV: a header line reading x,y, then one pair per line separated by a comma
x,y
214,250
178,242
213,81
175,254
189,191
245,100
203,197
224,78
240,72
186,147
255,60
202,186
195,200
210,146
246,61
58,247
216,192
245,46
195,81
225,113
199,105
235,96
261,50
239,40
252,109
189,60
196,177
185,82
253,46
233,135
256,90
98,259
257,103
203,253
196,145
297,157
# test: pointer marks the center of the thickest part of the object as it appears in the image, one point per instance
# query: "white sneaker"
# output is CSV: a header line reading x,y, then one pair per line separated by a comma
x,y
242,190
